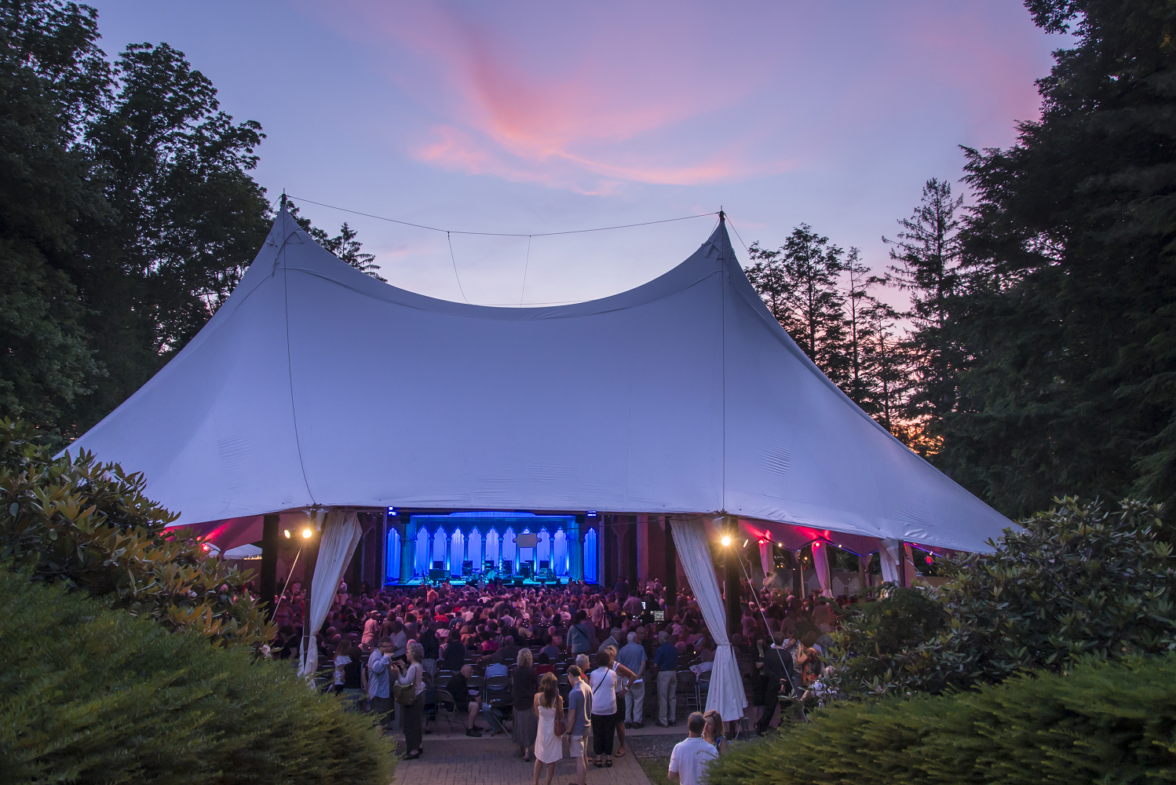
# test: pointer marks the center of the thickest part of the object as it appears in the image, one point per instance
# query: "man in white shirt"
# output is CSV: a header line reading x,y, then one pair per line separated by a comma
x,y
379,684
689,759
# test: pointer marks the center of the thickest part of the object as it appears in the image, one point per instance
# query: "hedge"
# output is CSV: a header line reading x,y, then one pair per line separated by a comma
x,y
1101,721
91,694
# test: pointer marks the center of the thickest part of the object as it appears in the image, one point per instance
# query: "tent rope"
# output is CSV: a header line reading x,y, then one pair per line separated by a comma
x,y
499,234
453,259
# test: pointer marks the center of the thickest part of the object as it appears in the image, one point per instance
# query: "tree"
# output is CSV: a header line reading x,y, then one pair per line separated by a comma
x,y
888,360
859,384
1068,320
799,284
189,217
927,252
52,76
345,245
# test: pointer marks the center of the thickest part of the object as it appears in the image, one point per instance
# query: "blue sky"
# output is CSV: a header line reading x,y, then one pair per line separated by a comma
x,y
536,117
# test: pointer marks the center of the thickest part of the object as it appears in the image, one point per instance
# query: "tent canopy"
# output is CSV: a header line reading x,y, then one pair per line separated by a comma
x,y
315,384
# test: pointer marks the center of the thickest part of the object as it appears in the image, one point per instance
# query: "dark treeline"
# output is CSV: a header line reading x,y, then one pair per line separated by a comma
x,y
127,213
1038,354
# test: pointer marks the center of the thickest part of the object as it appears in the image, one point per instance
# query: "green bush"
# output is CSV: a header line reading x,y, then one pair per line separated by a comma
x,y
89,695
1075,581
1100,722
89,525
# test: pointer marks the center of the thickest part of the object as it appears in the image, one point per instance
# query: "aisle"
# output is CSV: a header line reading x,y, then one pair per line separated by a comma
x,y
494,761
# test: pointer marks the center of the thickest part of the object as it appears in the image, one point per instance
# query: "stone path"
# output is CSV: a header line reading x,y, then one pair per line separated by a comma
x,y
455,759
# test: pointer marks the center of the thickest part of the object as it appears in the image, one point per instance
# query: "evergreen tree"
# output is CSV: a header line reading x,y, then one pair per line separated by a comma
x,y
860,384
889,369
1068,321
799,283
928,266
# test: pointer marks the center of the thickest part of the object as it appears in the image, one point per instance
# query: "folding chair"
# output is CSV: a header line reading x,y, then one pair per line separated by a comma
x,y
498,704
446,706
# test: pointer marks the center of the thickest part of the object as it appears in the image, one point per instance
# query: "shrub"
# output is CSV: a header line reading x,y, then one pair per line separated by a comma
x,y
1100,722
89,525
1074,581
90,694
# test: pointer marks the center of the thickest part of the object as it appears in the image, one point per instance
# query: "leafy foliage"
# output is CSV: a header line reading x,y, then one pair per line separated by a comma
x,y
89,526
90,694
1074,581
1098,722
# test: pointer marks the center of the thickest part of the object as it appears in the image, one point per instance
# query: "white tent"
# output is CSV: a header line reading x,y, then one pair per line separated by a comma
x,y
315,384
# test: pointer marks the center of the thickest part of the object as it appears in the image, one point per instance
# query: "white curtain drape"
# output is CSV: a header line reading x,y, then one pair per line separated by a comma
x,y
766,558
821,564
726,693
340,535
889,556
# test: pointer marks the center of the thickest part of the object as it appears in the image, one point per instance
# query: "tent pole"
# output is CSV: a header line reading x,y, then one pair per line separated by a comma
x,y
312,548
902,562
671,570
734,588
268,580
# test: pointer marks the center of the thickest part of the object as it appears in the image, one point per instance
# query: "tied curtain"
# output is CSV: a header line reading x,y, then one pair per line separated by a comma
x,y
765,549
340,535
726,693
890,554
821,564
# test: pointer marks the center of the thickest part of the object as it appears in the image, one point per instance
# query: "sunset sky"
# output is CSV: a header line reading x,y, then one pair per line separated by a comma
x,y
536,117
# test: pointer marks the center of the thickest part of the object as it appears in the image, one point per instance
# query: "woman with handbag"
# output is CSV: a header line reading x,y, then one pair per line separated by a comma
x,y
549,708
410,696
603,683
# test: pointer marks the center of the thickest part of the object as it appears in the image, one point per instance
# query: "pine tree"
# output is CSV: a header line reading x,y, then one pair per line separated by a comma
x,y
860,384
1068,321
928,266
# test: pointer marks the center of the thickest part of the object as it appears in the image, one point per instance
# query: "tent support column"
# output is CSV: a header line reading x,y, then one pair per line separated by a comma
x,y
634,573
268,579
902,565
734,588
311,555
671,568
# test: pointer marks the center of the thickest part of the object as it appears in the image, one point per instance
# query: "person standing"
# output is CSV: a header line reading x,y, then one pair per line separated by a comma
x,y
579,713
666,660
524,685
689,759
547,705
379,689
603,683
632,656
412,714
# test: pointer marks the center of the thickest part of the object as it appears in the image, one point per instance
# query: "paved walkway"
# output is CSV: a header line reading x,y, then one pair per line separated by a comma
x,y
455,759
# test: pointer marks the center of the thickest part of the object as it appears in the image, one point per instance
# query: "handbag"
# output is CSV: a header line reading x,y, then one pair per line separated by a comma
x,y
405,694
560,727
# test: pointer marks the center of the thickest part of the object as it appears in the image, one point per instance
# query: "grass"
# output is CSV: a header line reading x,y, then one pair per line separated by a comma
x,y
656,769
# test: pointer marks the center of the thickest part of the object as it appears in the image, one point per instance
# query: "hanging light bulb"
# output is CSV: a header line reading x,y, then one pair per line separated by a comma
x,y
726,540
307,533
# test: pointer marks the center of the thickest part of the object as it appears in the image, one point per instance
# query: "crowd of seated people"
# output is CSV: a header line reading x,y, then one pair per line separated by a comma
x,y
483,654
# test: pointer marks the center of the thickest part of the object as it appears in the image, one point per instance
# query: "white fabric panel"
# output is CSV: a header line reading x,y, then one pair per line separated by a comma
x,y
888,553
821,565
765,549
249,418
726,694
340,535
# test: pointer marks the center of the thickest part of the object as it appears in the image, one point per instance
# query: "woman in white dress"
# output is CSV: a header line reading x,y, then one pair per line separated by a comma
x,y
548,746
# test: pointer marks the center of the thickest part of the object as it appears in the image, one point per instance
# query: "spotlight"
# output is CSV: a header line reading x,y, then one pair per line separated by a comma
x,y
930,560
307,533
392,512
745,543
591,513
287,533
726,540
206,547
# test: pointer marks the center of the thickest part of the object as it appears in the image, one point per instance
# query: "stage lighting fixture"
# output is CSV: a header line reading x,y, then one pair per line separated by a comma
x,y
592,513
307,533
726,540
745,543
392,513
287,533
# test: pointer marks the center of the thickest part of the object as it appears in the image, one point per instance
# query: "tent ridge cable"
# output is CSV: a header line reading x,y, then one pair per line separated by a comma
x,y
449,240
526,265
500,234
290,373
723,276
